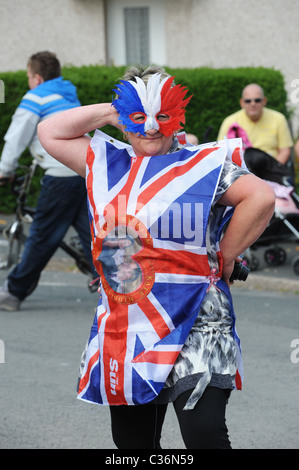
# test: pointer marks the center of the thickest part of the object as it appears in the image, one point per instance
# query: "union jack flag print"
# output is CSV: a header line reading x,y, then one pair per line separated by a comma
x,y
148,220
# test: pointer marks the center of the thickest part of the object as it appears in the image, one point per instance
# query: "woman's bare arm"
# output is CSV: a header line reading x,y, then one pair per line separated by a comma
x,y
254,202
64,135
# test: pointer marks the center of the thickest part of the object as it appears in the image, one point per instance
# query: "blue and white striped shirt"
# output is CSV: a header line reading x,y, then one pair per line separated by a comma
x,y
48,98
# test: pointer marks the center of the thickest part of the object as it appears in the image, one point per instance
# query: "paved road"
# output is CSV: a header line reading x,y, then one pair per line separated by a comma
x,y
43,343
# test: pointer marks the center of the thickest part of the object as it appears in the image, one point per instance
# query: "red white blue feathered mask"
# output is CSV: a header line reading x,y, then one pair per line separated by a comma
x,y
155,105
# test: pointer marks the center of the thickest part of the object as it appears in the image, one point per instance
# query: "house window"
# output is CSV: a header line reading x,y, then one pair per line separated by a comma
x,y
137,35
135,32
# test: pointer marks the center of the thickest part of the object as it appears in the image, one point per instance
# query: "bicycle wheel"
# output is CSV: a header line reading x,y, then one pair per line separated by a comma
x,y
3,245
15,238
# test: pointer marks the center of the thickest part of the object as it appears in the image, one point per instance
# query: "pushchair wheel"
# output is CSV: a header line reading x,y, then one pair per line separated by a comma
x,y
295,265
275,256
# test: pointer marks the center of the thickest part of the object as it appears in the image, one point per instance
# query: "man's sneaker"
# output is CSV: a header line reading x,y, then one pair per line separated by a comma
x,y
7,300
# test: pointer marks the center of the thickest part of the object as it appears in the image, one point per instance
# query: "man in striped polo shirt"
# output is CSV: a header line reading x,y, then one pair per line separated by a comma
x,y
62,199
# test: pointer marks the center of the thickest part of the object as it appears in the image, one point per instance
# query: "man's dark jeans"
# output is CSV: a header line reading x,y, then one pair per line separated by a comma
x,y
62,203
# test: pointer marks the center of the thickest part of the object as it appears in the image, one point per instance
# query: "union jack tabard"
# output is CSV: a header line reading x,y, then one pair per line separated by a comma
x,y
148,219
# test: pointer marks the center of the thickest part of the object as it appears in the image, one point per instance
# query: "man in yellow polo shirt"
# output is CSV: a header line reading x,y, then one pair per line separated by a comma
x,y
266,129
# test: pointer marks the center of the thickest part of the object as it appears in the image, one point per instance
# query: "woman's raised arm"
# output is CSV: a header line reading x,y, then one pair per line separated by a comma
x,y
64,135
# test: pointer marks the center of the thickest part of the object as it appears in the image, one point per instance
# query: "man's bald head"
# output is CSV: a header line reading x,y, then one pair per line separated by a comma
x,y
253,101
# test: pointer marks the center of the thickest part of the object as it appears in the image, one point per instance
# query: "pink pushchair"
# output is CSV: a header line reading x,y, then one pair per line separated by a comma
x,y
284,225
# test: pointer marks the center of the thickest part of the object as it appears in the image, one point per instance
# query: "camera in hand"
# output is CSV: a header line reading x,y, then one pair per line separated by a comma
x,y
239,273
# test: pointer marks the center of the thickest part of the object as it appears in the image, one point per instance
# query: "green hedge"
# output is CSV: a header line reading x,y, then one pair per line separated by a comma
x,y
216,94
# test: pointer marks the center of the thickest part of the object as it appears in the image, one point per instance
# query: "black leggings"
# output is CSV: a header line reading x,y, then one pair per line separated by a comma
x,y
204,427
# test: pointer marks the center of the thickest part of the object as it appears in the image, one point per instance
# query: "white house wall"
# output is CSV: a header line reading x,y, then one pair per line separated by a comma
x,y
73,29
216,33
234,33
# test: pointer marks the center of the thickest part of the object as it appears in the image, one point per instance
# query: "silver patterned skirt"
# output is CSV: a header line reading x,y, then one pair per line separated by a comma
x,y
208,356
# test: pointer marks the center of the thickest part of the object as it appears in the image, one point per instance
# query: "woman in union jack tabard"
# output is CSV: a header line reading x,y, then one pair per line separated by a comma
x,y
164,330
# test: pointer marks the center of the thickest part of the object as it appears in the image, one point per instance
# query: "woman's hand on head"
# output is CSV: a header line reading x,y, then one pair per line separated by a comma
x,y
114,118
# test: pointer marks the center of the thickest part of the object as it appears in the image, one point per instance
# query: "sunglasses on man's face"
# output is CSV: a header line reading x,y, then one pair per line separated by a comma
x,y
256,100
